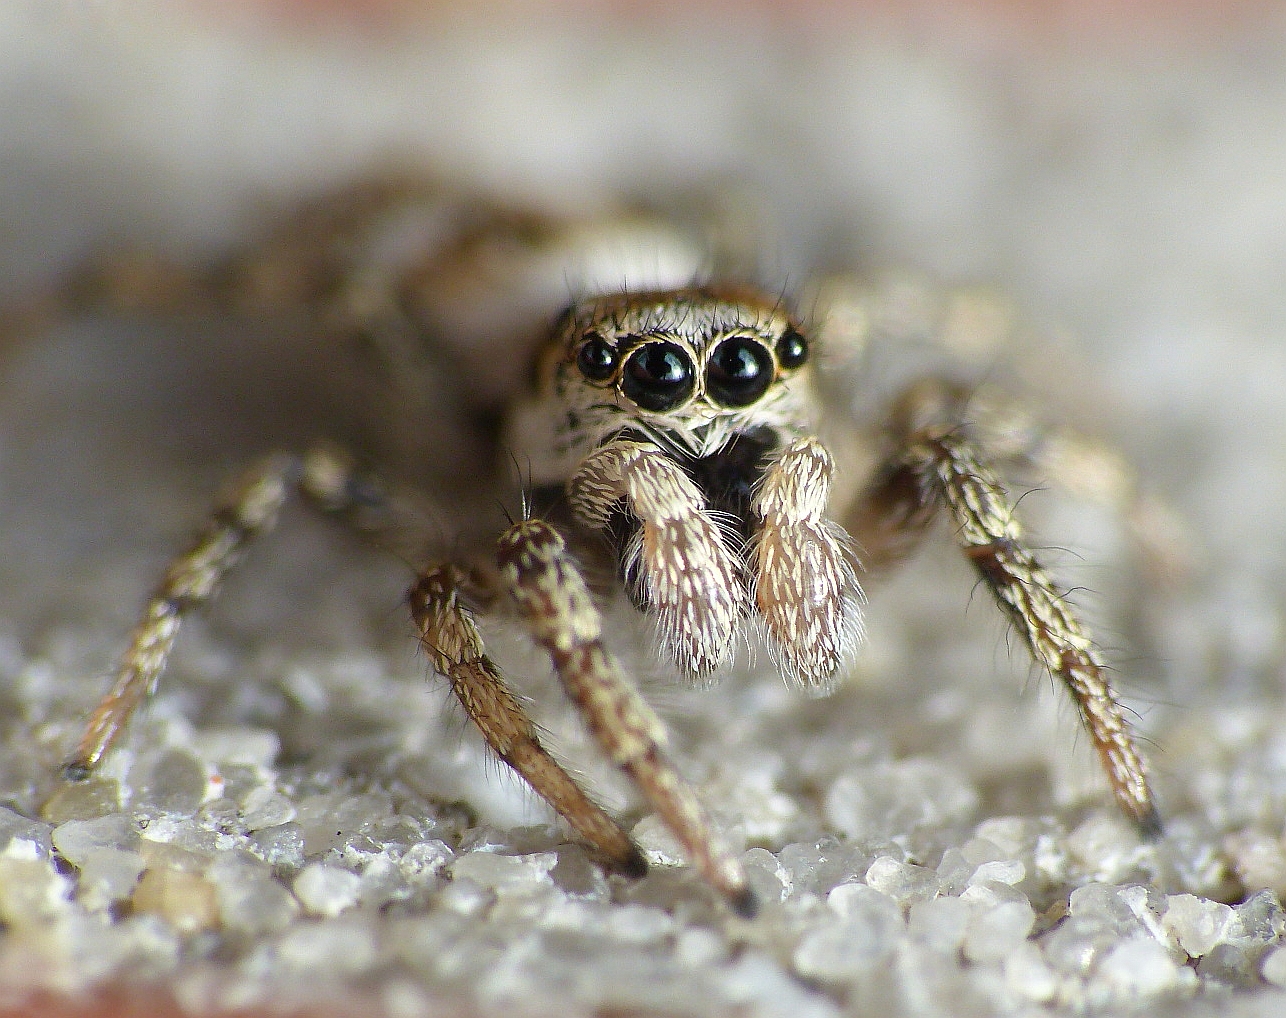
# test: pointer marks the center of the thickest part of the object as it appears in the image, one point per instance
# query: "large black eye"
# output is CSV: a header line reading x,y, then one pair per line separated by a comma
x,y
658,376
792,349
596,358
739,372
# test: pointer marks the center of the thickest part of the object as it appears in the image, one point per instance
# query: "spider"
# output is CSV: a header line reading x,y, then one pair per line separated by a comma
x,y
672,436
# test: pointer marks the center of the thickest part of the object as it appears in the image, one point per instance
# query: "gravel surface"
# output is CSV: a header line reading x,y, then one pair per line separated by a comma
x,y
300,820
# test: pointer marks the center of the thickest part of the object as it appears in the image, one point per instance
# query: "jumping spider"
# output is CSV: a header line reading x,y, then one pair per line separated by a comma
x,y
672,432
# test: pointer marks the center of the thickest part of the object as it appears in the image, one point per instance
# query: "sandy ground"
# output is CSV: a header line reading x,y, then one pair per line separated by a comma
x,y
300,821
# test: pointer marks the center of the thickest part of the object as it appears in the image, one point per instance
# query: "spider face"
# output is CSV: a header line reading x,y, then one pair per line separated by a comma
x,y
689,370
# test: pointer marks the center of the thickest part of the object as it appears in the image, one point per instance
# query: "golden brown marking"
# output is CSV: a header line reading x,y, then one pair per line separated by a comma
x,y
325,478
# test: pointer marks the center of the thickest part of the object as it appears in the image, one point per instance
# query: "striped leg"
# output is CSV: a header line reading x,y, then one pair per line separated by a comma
x,y
555,604
938,467
454,645
193,579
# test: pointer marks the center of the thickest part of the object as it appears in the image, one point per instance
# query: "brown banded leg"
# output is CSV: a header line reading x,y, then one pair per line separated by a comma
x,y
1021,444
555,603
806,586
192,579
690,579
451,639
939,467
1019,441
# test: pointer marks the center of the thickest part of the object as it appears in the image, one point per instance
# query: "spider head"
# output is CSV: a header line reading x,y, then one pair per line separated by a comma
x,y
689,367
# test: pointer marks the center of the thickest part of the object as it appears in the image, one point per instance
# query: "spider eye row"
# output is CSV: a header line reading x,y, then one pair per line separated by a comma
x,y
659,375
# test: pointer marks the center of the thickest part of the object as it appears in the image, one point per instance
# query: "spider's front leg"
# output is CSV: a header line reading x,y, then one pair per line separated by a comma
x,y
557,606
451,639
937,465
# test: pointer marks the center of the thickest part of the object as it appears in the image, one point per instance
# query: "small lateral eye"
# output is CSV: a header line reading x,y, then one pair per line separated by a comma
x,y
596,358
739,372
792,349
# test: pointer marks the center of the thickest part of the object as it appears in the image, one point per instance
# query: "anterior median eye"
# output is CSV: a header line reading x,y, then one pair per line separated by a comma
x,y
739,372
658,376
596,358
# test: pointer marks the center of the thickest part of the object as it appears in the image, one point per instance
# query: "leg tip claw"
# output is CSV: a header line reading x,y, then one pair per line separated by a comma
x,y
633,865
744,902
1150,826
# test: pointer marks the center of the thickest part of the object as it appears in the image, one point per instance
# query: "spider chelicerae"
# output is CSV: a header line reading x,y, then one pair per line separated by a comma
x,y
673,433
